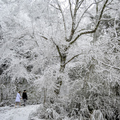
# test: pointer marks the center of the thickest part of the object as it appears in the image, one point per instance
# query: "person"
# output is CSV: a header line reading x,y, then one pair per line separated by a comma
x,y
17,100
24,97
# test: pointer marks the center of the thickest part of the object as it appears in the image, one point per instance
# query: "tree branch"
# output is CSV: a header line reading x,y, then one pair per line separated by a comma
x,y
83,15
72,58
58,49
30,36
85,12
70,8
73,21
105,19
63,19
110,66
44,37
54,7
80,4
94,30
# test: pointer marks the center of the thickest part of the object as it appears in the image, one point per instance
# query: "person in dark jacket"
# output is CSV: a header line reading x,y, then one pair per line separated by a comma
x,y
24,97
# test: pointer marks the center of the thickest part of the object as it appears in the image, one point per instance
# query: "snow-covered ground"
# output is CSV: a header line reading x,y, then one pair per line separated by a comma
x,y
18,113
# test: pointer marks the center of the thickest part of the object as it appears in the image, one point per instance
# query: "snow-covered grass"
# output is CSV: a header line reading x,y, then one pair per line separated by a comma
x,y
18,113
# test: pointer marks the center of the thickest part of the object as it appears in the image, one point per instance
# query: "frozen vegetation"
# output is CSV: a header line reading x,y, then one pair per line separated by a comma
x,y
65,53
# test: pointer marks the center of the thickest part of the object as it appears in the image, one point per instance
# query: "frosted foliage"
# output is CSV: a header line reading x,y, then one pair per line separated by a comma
x,y
65,53
49,81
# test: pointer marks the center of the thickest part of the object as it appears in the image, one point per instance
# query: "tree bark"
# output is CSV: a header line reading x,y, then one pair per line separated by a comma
x,y
62,62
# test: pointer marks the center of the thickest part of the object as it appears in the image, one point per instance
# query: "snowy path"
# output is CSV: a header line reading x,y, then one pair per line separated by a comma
x,y
19,113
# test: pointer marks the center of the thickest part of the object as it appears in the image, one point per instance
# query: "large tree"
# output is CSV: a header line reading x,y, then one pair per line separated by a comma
x,y
73,21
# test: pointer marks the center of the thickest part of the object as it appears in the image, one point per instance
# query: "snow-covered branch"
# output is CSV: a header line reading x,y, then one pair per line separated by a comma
x,y
70,8
58,49
83,15
97,25
72,58
63,18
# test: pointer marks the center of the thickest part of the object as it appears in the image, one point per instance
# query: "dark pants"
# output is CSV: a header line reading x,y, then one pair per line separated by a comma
x,y
24,100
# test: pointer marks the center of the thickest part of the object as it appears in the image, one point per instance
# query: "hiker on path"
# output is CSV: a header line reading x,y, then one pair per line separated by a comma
x,y
24,97
17,100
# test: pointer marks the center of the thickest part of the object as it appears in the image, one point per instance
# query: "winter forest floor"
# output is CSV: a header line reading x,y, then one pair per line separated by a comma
x,y
18,113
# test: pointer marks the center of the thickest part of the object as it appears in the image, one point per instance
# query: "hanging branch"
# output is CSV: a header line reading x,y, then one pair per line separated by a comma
x,y
94,30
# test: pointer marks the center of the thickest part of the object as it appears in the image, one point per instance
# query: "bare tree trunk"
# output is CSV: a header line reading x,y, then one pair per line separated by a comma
x,y
1,96
96,19
62,62
45,92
